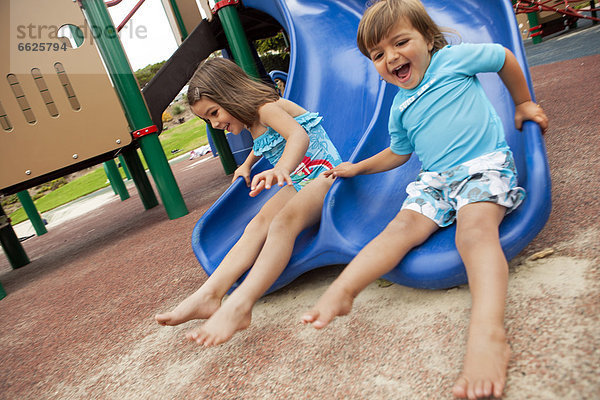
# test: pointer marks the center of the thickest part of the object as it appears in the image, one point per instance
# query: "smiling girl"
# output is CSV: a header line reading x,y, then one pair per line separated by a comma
x,y
299,150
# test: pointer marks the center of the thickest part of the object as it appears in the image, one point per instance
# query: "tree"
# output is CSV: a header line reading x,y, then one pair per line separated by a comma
x,y
274,52
146,74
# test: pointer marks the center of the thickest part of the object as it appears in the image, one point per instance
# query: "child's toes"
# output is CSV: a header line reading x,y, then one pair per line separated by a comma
x,y
498,389
310,316
324,319
192,336
486,389
460,388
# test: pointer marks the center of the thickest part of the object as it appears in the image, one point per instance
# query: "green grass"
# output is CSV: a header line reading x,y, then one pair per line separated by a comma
x,y
86,184
185,137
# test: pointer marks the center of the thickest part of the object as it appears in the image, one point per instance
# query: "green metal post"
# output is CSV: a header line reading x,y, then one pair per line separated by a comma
x,y
112,172
112,185
236,37
135,166
77,35
125,169
32,212
134,106
10,243
532,17
114,176
180,24
2,292
225,154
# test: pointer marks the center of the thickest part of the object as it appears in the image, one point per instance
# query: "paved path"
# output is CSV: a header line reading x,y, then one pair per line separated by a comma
x,y
565,45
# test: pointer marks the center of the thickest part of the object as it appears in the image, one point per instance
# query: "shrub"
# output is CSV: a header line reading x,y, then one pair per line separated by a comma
x,y
274,61
146,74
7,200
177,109
51,185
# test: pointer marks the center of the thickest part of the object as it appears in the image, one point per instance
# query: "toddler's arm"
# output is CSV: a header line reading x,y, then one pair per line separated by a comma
x,y
380,162
514,80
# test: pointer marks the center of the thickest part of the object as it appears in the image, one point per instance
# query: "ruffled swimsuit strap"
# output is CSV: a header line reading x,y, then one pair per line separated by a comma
x,y
271,138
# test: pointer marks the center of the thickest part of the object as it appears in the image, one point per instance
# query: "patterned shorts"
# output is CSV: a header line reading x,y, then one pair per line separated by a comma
x,y
439,195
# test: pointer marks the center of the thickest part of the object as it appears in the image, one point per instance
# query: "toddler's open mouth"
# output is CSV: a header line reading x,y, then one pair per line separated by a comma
x,y
403,72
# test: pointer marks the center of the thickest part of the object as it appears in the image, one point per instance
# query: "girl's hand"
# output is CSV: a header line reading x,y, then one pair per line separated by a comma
x,y
265,179
528,110
344,170
244,172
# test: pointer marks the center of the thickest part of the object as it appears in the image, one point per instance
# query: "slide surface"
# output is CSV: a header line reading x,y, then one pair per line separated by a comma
x,y
329,75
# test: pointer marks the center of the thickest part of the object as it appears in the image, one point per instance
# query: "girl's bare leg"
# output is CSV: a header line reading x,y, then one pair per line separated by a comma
x,y
487,355
407,230
303,211
207,299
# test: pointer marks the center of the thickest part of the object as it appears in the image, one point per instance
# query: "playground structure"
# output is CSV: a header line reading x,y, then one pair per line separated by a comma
x,y
545,17
346,90
54,103
62,111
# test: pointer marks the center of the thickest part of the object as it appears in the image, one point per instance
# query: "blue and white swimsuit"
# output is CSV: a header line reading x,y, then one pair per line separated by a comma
x,y
320,156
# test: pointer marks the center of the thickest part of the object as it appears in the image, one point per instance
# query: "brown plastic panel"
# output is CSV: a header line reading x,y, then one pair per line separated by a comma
x,y
190,14
62,129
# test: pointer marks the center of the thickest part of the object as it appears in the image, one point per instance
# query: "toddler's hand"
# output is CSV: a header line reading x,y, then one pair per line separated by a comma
x,y
528,110
265,179
344,170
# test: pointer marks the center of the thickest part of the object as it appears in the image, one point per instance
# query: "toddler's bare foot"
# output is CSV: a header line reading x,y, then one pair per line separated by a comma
x,y
233,316
486,361
336,301
200,305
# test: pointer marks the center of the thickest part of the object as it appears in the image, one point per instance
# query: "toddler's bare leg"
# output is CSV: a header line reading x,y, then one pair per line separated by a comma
x,y
487,354
302,211
207,299
407,230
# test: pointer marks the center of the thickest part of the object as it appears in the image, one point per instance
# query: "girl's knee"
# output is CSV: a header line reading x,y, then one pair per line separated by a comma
x,y
285,221
260,223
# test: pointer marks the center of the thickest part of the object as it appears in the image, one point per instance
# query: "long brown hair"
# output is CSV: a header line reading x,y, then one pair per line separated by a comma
x,y
379,19
225,83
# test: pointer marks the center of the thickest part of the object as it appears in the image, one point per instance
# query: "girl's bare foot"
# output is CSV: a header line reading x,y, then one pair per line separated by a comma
x,y
233,316
486,361
200,305
334,302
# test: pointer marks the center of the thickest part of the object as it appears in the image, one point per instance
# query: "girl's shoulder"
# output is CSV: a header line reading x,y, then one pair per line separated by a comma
x,y
281,104
273,114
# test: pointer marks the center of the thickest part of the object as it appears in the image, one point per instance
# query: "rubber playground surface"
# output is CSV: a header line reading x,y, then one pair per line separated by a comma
x,y
78,321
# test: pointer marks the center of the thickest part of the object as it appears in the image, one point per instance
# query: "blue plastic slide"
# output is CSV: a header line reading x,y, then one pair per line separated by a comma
x,y
329,75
